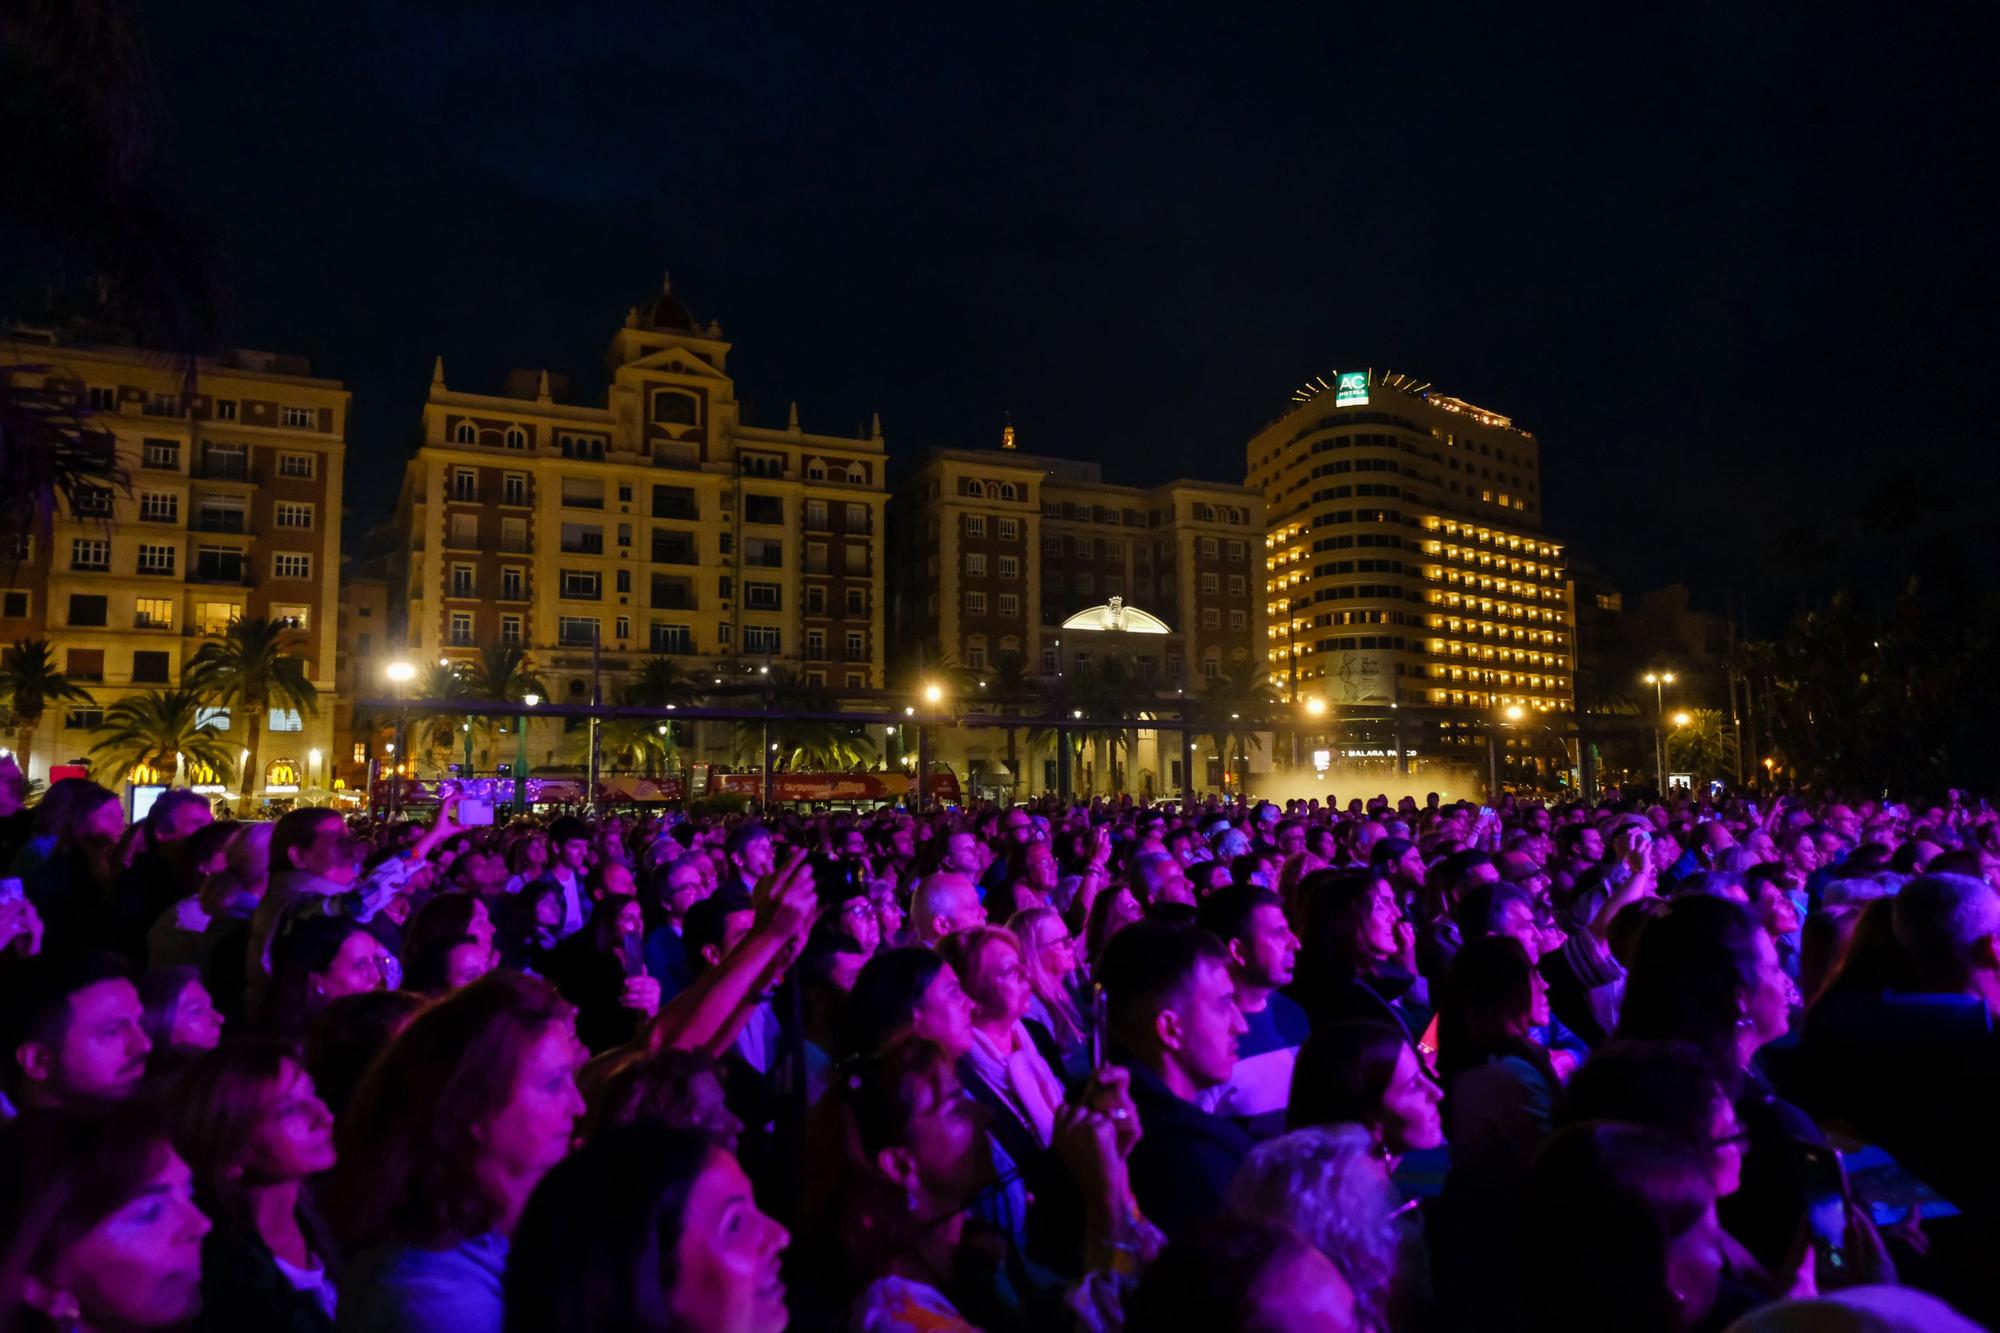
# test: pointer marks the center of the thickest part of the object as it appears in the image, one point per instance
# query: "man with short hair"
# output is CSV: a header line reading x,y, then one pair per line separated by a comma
x,y
676,887
1262,950
569,862
945,902
750,857
1158,878
1174,1020
73,1031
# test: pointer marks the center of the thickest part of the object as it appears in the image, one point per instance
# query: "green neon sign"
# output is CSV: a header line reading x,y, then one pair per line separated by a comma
x,y
1351,389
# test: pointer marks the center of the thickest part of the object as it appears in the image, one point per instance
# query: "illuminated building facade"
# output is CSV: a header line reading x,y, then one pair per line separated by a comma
x,y
654,522
233,511
1406,566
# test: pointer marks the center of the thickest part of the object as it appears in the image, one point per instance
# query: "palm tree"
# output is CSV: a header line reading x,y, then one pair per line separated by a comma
x,y
431,732
162,730
803,744
1012,684
29,682
1232,706
502,673
248,671
643,743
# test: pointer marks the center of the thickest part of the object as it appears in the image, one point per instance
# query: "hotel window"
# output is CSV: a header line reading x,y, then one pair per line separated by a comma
x,y
516,438
816,514
1236,550
857,602
284,719
291,565
156,559
510,630
673,639
153,613
464,484
300,466
815,645
1086,548
1211,584
305,418
151,667
857,518
1010,529
155,507
462,584
464,532
293,616
975,603
291,514
212,618
89,553
1051,546
857,645
762,596
576,631
1207,547
621,628
1010,567
510,584
13,604
103,399
1211,618
582,585
1237,585
1239,620
163,454
815,601
1010,605
975,564
514,488
765,639
975,525
857,558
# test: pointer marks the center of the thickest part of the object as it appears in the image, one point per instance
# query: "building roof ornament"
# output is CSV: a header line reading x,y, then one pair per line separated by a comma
x,y
437,372
1116,617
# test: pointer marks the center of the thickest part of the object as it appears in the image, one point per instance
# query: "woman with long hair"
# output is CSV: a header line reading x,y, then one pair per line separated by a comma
x,y
98,1224
316,959
1355,952
646,1229
450,1131
1049,953
181,1021
1706,973
254,1133
1367,1074
448,944
591,970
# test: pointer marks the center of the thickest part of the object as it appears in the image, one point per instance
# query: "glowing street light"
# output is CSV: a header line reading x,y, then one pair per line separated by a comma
x,y
1659,680
1315,707
933,694
1682,719
402,673
1514,713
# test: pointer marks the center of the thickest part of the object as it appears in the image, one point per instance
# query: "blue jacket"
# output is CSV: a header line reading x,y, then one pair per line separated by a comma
x,y
404,1289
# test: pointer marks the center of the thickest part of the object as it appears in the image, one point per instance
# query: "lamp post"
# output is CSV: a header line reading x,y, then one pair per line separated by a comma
x,y
465,775
400,675
312,768
1315,708
521,756
933,697
1659,680
1680,720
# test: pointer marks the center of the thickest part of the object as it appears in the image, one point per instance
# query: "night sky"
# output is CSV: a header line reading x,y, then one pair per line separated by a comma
x,y
1731,263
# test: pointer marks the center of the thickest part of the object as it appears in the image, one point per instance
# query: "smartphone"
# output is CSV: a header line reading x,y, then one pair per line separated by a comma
x,y
631,953
475,810
1099,1016
1826,1206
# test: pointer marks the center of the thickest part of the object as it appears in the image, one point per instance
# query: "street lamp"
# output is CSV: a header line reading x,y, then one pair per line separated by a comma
x,y
1315,708
933,695
1659,680
400,674
521,757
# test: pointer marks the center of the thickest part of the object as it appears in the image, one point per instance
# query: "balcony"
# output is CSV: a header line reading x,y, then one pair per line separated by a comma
x,y
585,546
224,467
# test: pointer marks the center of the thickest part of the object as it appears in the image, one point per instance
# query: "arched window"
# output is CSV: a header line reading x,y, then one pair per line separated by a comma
x,y
673,408
1006,490
857,474
465,434
516,438
816,471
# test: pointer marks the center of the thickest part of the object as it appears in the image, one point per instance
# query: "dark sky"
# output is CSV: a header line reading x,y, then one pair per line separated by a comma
x,y
1730,262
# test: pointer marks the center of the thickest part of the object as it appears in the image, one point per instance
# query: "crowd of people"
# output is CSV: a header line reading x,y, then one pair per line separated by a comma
x,y
1341,1067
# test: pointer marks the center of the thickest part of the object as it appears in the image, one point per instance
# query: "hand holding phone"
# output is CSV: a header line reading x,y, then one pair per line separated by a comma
x,y
1099,1019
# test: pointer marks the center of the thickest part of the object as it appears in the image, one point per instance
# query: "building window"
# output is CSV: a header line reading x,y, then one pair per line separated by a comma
x,y
83,719
1239,620
763,639
462,584
164,455
1086,585
294,616
514,534
299,466
156,559
1207,548
576,631
284,719
514,488
1048,661
150,667
464,433
585,585
816,514
673,639
85,664
621,628
1237,585
214,618
1211,584
815,645
510,630
155,507
762,596
103,399
463,531
464,484
975,603
1211,618
89,553
1051,546
1086,548
1010,529
291,565
857,558
857,645
516,438
14,604
975,525
857,602
815,601
857,518
510,584
291,514
303,418
1010,567
1010,605
975,564
1236,550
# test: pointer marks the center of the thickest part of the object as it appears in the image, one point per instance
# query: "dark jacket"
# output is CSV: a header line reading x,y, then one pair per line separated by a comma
x,y
241,1287
1182,1169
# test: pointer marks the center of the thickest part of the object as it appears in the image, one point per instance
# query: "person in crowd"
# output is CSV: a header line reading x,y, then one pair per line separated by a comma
x,y
601,970
253,1132
348,1033
99,1228
314,960
672,1088
945,901
173,938
568,869
1358,953
750,856
181,1021
1057,1017
648,1229
1171,1004
1367,1074
1706,972
1004,1069
449,942
161,874
1235,1275
1331,1186
1640,1203
452,1128
75,1030
1251,924
70,860
674,887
